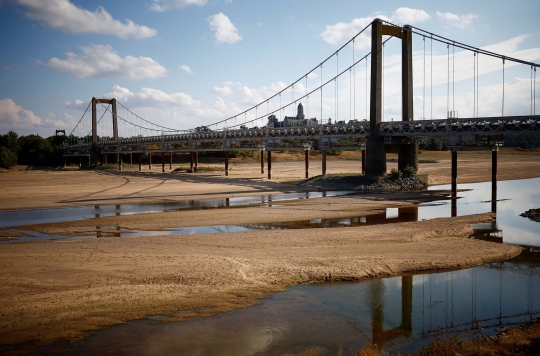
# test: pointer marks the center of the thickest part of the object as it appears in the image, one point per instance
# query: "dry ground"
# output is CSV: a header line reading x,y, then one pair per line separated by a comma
x,y
61,289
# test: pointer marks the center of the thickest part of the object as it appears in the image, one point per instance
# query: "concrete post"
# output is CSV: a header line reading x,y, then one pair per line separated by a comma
x,y
131,159
162,162
269,164
364,161
170,161
406,74
262,162
323,157
114,120
150,160
454,171
306,153
140,161
93,150
226,163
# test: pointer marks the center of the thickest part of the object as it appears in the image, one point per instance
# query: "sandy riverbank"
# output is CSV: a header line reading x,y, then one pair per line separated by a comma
x,y
61,289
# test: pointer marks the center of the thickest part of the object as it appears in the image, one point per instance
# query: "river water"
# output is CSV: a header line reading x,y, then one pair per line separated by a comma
x,y
400,313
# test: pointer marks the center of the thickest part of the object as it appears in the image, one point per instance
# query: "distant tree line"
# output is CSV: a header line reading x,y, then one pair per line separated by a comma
x,y
518,141
30,150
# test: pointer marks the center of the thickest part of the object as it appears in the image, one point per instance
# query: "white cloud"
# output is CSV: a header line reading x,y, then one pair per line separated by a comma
x,y
77,104
342,31
64,16
225,90
164,5
186,69
224,29
406,15
102,61
150,98
459,21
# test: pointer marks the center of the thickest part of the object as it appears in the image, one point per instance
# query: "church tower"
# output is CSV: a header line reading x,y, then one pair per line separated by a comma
x,y
300,112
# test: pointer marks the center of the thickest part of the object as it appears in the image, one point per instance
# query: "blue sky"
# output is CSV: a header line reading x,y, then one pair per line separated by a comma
x,y
186,63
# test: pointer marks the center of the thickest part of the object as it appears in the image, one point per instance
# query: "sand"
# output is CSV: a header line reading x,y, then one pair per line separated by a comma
x,y
57,290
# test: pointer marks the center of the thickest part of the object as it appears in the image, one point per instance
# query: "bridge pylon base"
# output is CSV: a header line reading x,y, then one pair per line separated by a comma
x,y
375,157
408,155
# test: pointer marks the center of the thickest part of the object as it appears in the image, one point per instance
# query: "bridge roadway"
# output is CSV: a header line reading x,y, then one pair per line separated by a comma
x,y
342,137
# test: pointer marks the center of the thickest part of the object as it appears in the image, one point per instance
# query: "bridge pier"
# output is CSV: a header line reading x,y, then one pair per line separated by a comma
x,y
90,160
119,157
131,159
408,155
196,159
150,160
162,162
323,158
226,163
306,153
170,160
105,158
269,164
191,161
140,161
262,162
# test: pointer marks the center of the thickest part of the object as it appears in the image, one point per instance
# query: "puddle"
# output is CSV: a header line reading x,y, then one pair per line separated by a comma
x,y
40,216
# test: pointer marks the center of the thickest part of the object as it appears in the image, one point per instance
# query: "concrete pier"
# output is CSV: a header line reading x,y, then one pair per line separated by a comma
x,y
262,162
150,160
269,164
226,163
323,159
454,171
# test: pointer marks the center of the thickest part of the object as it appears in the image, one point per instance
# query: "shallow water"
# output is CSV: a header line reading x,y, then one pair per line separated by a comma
x,y
400,313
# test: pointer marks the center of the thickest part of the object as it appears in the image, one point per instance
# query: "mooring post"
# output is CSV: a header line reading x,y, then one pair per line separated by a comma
x,y
454,171
494,151
162,162
226,163
196,159
140,161
150,160
306,153
131,159
364,161
323,154
262,162
170,161
269,164
191,161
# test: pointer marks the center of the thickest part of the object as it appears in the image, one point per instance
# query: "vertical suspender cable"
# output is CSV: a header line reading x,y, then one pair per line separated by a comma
x,y
307,100
424,88
448,84
367,117
321,95
531,89
534,92
354,83
431,85
474,84
477,83
382,82
336,82
453,79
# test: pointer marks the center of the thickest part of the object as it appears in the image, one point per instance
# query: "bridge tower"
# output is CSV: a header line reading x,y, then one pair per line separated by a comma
x,y
376,148
94,152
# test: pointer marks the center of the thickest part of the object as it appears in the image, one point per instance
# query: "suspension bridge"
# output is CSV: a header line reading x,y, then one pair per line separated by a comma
x,y
366,129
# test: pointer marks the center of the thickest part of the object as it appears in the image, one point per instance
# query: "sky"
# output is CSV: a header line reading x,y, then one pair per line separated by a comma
x,y
188,63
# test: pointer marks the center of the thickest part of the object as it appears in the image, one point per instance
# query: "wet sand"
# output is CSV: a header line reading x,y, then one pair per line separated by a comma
x,y
62,289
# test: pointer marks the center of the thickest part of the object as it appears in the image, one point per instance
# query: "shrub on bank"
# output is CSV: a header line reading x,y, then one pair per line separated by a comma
x,y
8,159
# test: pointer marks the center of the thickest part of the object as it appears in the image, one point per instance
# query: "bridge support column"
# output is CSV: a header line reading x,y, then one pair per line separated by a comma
x,y
494,151
454,172
105,158
191,161
226,163
196,159
262,162
269,164
131,159
140,161
65,162
162,162
363,161
119,161
90,160
150,160
323,158
408,156
170,161
306,153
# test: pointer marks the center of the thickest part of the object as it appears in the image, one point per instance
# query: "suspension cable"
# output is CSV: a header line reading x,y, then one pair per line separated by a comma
x,y
354,84
448,84
474,84
503,88
80,119
531,90
477,83
382,86
424,86
366,90
534,93
431,85
453,79
337,83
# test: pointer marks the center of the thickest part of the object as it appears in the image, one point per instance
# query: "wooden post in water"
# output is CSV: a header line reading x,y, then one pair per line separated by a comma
x,y
323,154
162,162
364,161
226,163
306,156
494,151
269,164
454,171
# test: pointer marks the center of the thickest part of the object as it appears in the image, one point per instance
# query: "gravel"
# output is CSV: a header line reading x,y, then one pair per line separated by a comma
x,y
365,184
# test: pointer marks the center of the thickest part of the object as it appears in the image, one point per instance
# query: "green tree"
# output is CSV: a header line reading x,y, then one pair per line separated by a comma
x,y
35,150
10,141
8,158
